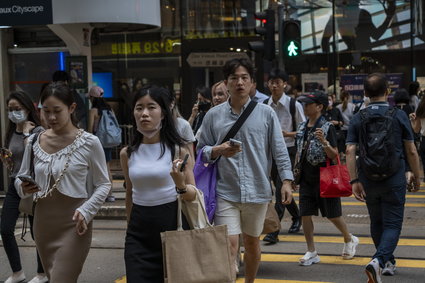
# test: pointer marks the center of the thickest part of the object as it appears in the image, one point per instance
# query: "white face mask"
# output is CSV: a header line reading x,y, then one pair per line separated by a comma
x,y
18,116
150,133
330,103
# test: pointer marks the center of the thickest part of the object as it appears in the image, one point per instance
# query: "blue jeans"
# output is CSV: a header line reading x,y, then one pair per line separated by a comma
x,y
386,210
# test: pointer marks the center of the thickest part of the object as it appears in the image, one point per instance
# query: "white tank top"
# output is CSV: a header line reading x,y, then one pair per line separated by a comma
x,y
150,175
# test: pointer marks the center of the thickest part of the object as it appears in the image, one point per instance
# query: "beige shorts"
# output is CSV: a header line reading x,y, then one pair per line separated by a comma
x,y
240,218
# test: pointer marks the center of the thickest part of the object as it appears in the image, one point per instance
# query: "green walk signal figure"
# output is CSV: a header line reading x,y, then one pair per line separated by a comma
x,y
292,49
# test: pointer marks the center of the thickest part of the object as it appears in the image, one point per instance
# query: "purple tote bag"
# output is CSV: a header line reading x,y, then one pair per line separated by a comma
x,y
206,181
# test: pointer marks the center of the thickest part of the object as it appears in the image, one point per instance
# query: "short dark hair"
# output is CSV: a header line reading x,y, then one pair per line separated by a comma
x,y
231,66
60,76
401,96
375,85
413,88
278,74
204,91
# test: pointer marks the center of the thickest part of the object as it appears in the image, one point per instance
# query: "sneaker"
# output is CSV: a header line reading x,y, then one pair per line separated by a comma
x,y
389,269
16,278
350,248
110,199
309,258
373,271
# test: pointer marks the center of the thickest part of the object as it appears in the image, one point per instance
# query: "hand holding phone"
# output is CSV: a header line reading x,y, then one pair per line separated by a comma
x,y
186,157
234,142
28,179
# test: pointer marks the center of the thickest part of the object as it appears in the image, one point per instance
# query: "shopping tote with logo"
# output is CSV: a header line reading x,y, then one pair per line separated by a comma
x,y
334,180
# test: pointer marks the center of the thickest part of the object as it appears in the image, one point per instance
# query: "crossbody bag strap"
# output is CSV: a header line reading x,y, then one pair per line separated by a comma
x,y
241,120
34,140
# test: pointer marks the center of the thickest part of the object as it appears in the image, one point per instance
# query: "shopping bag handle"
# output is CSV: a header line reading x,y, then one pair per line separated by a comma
x,y
328,161
179,210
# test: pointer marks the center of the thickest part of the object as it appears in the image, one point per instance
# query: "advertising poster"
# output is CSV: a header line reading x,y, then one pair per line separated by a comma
x,y
354,84
312,82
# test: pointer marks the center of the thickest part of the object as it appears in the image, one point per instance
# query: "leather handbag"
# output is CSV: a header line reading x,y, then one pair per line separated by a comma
x,y
199,255
206,173
272,221
334,180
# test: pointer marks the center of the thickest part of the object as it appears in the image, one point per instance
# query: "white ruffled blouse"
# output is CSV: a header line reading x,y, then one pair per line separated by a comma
x,y
86,176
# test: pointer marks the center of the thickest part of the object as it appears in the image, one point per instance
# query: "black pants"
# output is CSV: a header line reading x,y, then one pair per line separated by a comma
x,y
143,247
9,217
280,208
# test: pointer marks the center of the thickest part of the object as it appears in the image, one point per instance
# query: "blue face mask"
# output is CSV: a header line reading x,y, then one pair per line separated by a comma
x,y
18,117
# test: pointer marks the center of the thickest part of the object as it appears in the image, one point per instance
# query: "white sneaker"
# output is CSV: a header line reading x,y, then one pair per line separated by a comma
x,y
373,271
350,248
16,278
39,279
389,269
309,258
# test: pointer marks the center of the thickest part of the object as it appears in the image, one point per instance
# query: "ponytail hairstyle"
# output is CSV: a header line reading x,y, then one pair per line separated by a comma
x,y
345,95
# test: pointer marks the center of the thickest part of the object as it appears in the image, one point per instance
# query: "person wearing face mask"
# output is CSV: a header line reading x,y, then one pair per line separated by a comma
x,y
154,179
70,170
200,108
24,121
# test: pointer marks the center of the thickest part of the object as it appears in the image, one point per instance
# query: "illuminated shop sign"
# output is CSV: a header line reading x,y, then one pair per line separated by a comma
x,y
167,46
25,12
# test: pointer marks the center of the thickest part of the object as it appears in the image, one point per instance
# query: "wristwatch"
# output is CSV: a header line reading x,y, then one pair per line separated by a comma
x,y
354,181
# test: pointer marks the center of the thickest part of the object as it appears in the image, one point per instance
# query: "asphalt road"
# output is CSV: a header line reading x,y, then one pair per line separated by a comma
x,y
279,262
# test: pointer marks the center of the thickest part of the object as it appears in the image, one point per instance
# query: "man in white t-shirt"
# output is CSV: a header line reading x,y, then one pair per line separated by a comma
x,y
290,114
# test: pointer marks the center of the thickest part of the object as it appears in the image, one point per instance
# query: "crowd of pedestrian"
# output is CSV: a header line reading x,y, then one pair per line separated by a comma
x,y
280,145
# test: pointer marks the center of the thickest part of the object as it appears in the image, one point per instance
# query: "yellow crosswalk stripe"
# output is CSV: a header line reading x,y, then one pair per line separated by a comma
x,y
363,261
258,280
358,203
339,240
409,196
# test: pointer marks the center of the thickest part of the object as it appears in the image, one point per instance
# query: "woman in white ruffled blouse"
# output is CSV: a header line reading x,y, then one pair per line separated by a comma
x,y
70,170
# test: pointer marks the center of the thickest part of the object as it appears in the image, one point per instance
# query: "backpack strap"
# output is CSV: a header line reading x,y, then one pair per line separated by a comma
x,y
292,111
238,124
266,101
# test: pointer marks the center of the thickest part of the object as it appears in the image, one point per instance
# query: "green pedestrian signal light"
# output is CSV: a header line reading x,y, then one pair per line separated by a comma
x,y
292,49
291,39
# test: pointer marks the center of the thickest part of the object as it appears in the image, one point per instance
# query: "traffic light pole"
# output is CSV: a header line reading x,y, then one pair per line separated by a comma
x,y
280,15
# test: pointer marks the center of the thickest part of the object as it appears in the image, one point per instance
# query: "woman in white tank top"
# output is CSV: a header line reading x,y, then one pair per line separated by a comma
x,y
153,180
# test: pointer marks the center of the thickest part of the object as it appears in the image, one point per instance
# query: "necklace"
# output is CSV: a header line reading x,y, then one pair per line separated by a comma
x,y
65,168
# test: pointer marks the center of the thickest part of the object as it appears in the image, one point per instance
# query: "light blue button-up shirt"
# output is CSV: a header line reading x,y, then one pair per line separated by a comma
x,y
244,177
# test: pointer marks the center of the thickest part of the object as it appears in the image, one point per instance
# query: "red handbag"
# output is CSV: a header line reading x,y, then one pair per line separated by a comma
x,y
334,180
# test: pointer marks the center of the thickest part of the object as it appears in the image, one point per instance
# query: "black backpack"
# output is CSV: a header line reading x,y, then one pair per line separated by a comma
x,y
378,159
291,110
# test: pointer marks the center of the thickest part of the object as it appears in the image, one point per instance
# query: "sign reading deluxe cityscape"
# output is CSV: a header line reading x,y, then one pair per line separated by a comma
x,y
25,12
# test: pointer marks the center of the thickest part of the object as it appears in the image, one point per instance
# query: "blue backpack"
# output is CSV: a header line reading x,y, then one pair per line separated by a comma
x,y
108,130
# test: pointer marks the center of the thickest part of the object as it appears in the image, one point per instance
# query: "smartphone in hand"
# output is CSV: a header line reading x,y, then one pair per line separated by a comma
x,y
234,142
186,157
27,178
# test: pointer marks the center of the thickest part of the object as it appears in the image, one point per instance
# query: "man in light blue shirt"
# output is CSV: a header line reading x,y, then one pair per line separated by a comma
x,y
243,186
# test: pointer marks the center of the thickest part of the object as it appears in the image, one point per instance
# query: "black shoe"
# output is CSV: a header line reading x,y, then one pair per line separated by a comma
x,y
295,227
272,238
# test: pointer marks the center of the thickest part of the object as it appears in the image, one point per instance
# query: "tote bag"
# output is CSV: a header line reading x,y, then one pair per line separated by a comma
x,y
272,221
196,256
206,181
334,180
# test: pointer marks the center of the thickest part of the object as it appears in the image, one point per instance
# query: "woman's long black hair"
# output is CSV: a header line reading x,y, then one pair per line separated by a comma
x,y
24,99
168,134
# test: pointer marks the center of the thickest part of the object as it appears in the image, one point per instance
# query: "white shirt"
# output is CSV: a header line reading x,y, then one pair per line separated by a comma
x,y
284,115
86,177
347,114
259,97
185,130
149,173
